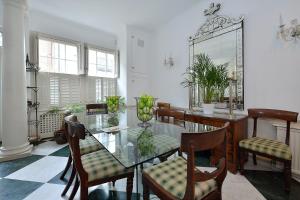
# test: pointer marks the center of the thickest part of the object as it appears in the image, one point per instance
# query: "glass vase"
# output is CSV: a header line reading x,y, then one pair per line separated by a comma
x,y
144,110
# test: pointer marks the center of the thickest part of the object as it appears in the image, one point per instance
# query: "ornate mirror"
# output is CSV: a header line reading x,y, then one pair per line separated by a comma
x,y
220,38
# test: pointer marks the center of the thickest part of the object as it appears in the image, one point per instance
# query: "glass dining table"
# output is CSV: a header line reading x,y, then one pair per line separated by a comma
x,y
132,145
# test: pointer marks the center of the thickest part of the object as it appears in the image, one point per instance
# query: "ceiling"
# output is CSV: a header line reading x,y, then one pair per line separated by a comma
x,y
110,14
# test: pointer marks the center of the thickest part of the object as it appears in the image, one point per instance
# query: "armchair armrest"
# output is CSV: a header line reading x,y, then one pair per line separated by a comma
x,y
204,176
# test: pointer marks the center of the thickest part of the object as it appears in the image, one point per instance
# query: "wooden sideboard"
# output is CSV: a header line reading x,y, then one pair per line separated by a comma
x,y
238,131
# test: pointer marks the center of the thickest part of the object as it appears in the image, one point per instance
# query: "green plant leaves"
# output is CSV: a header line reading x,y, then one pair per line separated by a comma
x,y
211,78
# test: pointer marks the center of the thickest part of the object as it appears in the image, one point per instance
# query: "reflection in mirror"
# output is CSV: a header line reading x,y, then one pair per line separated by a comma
x,y
221,39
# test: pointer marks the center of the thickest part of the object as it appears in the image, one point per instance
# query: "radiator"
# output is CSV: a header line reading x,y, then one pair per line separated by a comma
x,y
294,145
49,123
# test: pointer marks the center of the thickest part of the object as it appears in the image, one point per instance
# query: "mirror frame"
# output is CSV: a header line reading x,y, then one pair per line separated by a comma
x,y
217,25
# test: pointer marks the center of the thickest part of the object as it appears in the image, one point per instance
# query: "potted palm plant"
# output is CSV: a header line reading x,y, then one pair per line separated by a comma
x,y
222,85
204,74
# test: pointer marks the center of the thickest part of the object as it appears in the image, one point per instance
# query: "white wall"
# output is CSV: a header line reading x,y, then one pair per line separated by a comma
x,y
272,67
139,54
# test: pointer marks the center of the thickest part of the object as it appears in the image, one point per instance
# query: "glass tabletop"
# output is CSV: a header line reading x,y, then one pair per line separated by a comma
x,y
133,145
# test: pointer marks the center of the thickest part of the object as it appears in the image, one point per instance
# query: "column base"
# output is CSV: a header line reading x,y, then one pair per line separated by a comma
x,y
16,152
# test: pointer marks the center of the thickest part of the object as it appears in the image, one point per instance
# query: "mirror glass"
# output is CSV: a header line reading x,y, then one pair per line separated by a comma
x,y
224,47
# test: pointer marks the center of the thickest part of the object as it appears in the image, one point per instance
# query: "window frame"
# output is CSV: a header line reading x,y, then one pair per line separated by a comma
x,y
114,52
63,41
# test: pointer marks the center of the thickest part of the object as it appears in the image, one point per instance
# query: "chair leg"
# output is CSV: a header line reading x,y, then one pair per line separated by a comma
x,y
163,158
241,161
69,182
146,193
254,159
83,191
179,153
74,189
287,175
67,167
129,187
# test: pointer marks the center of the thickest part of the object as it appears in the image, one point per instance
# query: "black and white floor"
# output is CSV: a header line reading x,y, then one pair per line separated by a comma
x,y
37,177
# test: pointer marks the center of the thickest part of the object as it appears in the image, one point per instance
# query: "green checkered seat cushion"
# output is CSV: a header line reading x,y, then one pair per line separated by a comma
x,y
267,146
89,144
172,175
101,164
165,143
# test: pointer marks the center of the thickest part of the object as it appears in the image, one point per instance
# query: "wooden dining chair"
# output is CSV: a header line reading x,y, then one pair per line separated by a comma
x,y
269,148
180,179
161,105
97,167
176,117
88,145
97,108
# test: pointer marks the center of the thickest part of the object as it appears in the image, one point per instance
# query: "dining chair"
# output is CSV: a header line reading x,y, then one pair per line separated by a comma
x,y
176,117
88,145
97,107
269,148
179,178
97,167
161,105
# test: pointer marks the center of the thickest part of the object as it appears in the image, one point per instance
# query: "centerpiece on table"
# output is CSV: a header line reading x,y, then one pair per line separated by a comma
x,y
113,103
144,107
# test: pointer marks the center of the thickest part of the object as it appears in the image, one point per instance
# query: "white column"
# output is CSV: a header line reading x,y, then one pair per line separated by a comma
x,y
14,101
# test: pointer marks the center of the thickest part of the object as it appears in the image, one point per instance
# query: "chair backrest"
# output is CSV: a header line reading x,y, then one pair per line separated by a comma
x,y
191,142
163,114
163,105
171,116
204,141
287,116
69,118
75,131
97,107
178,114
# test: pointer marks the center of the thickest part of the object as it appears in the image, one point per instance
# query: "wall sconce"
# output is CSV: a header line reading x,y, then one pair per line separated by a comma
x,y
289,33
169,61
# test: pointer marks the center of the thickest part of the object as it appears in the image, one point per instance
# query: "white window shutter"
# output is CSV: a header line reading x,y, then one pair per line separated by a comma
x,y
74,85
91,90
64,92
43,80
54,91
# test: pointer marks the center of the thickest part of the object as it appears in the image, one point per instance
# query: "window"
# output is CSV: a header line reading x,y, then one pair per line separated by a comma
x,y
109,87
63,90
98,90
58,57
101,63
54,91
60,63
105,87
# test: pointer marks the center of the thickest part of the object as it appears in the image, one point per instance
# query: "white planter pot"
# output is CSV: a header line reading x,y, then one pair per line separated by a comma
x,y
221,105
208,108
